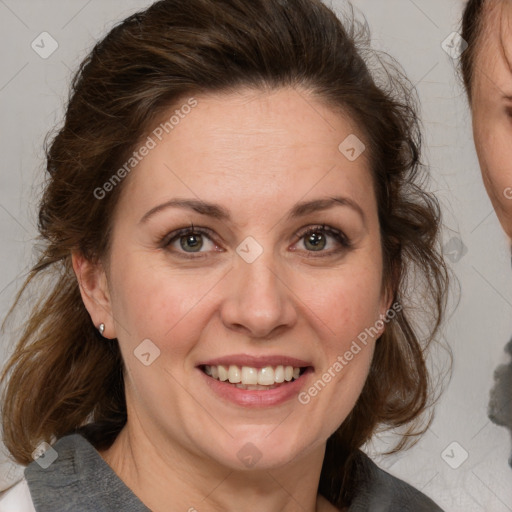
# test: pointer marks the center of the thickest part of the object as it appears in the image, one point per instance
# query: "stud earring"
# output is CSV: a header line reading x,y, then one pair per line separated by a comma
x,y
101,329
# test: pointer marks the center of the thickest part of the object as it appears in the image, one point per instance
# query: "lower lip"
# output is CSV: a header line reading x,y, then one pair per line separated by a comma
x,y
257,398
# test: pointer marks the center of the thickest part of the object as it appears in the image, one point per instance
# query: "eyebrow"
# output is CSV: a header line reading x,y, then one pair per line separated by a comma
x,y
219,212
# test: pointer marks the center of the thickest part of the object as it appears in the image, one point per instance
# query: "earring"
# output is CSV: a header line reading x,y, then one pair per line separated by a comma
x,y
101,329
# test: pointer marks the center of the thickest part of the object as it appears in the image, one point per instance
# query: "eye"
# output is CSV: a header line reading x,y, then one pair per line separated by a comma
x,y
316,239
189,240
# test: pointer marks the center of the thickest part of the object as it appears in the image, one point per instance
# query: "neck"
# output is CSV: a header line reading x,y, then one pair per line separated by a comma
x,y
162,473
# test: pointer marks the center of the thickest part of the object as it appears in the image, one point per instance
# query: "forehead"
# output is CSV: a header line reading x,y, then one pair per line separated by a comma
x,y
284,115
493,55
496,25
253,152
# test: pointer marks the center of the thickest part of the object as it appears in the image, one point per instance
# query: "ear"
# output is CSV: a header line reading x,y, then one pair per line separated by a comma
x,y
93,284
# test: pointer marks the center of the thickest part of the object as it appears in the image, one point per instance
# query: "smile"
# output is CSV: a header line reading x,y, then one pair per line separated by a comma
x,y
251,378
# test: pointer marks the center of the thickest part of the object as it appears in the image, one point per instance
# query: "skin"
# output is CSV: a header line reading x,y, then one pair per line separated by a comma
x,y
491,105
257,154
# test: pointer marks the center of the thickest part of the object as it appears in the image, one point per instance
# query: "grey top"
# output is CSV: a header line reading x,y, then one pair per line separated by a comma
x,y
79,480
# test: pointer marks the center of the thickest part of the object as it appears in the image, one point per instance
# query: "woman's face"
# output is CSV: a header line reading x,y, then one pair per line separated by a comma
x,y
492,107
252,172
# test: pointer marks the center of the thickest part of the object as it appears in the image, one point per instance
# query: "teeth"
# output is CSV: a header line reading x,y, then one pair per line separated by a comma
x,y
234,374
222,371
249,375
266,376
256,387
279,374
254,377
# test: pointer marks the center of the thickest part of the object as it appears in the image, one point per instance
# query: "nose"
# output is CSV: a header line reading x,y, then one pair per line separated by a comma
x,y
259,301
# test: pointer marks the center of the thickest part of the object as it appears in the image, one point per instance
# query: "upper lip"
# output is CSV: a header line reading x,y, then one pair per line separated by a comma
x,y
256,361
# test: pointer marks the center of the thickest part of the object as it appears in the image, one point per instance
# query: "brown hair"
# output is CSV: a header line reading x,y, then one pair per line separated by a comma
x,y
472,24
62,375
475,20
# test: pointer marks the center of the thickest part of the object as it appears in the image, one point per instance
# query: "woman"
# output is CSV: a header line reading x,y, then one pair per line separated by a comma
x,y
486,65
234,219
486,73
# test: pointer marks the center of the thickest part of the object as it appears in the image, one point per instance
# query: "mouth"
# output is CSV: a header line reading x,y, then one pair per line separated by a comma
x,y
255,379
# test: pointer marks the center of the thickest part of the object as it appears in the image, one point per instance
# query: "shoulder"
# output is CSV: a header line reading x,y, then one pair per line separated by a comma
x,y
17,498
71,475
378,490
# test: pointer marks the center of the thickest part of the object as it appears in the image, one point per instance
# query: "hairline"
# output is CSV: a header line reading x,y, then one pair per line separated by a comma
x,y
488,15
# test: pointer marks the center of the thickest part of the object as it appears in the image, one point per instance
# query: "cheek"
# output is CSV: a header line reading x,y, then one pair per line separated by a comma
x,y
492,146
493,142
351,309
343,304
158,303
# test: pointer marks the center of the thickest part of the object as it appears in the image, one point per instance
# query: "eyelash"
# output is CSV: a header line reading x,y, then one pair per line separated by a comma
x,y
339,236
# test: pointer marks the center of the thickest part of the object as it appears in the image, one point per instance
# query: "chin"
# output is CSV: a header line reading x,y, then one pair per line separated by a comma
x,y
264,451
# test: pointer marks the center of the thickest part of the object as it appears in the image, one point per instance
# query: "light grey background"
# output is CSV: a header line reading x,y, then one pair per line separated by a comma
x,y
32,94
